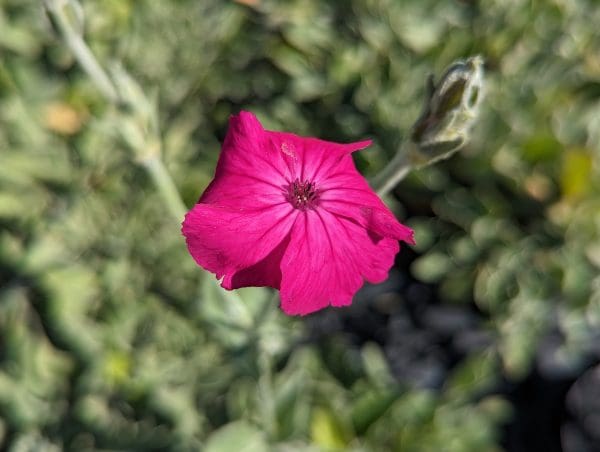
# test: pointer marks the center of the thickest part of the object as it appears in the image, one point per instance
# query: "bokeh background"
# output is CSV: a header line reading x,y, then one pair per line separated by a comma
x,y
486,337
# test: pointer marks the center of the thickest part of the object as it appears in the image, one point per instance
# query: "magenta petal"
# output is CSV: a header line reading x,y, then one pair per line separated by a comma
x,y
371,258
327,261
348,196
249,165
313,272
265,273
311,158
356,146
225,241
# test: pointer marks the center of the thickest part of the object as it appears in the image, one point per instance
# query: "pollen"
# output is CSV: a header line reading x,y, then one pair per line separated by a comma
x,y
302,195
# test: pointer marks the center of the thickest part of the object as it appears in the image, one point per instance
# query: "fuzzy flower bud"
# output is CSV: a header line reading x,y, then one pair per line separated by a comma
x,y
449,111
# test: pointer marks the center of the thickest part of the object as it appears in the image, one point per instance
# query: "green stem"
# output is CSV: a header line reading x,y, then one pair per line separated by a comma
x,y
266,395
165,185
86,59
396,170
80,50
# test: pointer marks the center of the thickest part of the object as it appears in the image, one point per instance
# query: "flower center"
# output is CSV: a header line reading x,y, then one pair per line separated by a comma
x,y
302,195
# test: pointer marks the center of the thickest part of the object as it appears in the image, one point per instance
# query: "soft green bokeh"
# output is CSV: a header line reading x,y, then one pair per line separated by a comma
x,y
110,336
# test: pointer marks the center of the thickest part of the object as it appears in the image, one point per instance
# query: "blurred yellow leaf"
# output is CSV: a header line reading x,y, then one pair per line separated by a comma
x,y
325,431
62,118
117,366
576,173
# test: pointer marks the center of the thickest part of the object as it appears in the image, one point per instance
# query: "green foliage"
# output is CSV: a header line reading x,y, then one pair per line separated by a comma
x,y
112,338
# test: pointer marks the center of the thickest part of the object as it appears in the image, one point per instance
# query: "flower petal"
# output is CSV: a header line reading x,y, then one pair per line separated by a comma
x,y
312,159
265,273
311,273
350,196
227,241
327,260
249,166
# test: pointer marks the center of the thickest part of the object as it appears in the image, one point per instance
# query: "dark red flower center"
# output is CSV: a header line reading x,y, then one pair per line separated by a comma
x,y
303,195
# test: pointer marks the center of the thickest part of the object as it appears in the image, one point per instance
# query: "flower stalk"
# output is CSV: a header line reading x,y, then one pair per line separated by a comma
x,y
165,185
139,126
396,170
80,50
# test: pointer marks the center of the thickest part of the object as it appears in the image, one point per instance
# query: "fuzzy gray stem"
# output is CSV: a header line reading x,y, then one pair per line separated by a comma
x,y
86,59
396,170
80,50
166,187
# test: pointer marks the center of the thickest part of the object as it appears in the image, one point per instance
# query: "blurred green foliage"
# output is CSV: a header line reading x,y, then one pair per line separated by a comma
x,y
112,338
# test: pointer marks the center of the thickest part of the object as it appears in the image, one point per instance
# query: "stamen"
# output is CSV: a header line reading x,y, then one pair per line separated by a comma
x,y
302,195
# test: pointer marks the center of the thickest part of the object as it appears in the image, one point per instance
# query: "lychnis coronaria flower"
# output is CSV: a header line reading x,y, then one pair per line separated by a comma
x,y
292,213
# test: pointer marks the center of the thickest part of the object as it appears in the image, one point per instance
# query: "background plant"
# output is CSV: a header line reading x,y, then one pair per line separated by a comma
x,y
112,338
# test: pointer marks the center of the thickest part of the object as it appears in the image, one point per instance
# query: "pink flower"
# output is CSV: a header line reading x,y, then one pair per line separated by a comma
x,y
292,213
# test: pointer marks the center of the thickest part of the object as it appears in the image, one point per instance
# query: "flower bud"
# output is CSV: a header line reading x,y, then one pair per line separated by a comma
x,y
449,111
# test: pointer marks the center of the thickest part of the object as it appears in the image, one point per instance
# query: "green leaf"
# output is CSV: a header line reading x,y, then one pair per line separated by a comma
x,y
237,437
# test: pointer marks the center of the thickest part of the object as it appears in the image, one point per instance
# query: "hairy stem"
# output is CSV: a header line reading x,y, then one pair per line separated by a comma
x,y
88,62
266,393
80,50
396,170
165,185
